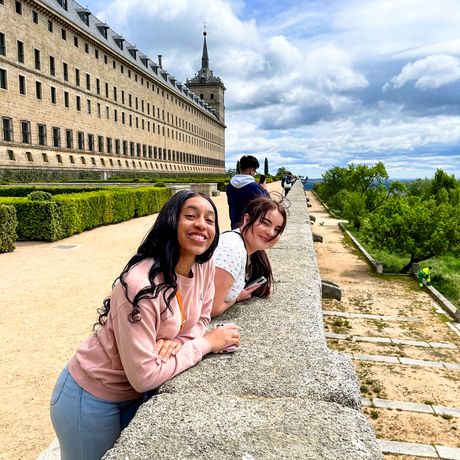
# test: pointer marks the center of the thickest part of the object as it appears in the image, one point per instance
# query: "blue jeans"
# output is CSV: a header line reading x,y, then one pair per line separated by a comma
x,y
87,426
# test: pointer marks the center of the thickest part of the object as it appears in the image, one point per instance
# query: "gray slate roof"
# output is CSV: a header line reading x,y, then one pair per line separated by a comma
x,y
74,14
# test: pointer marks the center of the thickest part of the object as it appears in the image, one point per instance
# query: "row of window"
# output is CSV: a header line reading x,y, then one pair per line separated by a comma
x,y
84,15
101,144
125,99
130,164
125,118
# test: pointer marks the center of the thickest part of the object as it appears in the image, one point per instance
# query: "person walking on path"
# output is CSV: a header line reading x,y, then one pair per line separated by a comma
x,y
424,276
287,183
151,328
242,189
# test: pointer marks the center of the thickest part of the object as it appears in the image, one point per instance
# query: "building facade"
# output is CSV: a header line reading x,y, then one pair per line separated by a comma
x,y
74,95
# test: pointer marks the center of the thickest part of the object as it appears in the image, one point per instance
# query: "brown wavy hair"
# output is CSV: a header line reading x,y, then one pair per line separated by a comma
x,y
256,210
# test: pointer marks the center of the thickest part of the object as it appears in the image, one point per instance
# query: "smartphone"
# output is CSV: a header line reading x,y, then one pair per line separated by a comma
x,y
257,282
230,348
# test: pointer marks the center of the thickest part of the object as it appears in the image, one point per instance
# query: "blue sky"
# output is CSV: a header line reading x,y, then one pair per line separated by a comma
x,y
314,84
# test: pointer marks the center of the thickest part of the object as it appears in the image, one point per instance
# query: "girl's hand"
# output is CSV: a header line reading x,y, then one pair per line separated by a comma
x,y
222,337
246,294
166,348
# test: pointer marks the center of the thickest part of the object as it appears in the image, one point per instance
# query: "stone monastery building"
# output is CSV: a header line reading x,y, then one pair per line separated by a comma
x,y
75,95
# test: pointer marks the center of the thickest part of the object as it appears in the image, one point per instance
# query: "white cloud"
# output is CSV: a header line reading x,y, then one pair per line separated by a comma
x,y
304,85
429,73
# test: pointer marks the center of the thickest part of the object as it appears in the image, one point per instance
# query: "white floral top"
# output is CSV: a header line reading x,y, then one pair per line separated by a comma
x,y
231,256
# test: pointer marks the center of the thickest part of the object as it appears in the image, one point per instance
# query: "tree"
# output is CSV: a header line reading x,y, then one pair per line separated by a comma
x,y
238,168
266,167
442,180
357,190
414,227
281,173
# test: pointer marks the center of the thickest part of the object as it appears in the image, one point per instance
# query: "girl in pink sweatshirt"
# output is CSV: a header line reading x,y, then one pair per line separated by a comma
x,y
151,328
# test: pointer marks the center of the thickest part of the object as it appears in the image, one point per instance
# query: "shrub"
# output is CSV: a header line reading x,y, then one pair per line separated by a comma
x,y
159,184
37,220
8,224
68,214
39,195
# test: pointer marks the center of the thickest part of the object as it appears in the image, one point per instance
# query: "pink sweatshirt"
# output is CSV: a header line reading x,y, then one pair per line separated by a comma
x,y
118,363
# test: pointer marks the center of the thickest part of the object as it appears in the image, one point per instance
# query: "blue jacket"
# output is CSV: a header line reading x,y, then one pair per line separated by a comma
x,y
240,191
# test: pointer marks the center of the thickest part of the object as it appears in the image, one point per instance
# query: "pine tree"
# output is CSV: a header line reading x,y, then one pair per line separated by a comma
x,y
238,169
266,166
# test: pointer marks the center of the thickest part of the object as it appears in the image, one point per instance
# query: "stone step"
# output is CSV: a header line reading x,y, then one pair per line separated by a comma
x,y
344,314
419,450
406,361
389,340
410,406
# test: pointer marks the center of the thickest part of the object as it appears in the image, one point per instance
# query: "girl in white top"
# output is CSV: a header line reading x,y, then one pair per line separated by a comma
x,y
240,256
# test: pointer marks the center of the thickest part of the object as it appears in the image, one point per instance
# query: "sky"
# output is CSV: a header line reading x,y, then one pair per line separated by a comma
x,y
316,84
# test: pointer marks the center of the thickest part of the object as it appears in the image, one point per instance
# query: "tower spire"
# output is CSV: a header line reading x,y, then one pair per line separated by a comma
x,y
204,57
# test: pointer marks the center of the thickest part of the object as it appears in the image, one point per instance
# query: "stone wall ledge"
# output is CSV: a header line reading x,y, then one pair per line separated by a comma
x,y
283,395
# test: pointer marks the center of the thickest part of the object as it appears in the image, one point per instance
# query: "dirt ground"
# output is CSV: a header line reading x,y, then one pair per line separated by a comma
x,y
365,292
50,293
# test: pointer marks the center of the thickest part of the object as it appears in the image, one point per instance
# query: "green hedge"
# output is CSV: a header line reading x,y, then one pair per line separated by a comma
x,y
8,224
46,175
29,175
54,190
68,214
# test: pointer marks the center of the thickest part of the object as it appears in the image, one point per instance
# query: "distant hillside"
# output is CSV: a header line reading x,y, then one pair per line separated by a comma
x,y
311,182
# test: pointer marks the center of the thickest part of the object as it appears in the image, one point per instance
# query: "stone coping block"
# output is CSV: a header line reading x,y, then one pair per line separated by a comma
x,y
448,453
444,410
178,427
283,395
407,448
403,405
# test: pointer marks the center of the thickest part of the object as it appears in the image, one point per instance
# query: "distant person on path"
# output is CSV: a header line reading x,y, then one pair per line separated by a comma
x,y
240,257
242,189
151,328
424,275
287,183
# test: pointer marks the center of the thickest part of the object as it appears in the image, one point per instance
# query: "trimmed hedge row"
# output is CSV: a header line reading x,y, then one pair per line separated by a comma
x,y
54,190
46,175
67,214
28,175
8,224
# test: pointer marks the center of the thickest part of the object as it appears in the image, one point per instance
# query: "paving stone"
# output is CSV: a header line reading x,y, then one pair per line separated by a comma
x,y
377,358
360,338
451,346
448,453
344,314
407,448
440,410
340,314
421,362
453,366
457,331
403,405
332,335
414,343
402,319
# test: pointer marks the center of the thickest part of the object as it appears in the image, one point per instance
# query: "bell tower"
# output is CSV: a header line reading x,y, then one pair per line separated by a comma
x,y
208,87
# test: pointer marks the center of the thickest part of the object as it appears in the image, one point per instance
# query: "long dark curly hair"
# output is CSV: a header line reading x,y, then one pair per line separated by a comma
x,y
256,210
160,244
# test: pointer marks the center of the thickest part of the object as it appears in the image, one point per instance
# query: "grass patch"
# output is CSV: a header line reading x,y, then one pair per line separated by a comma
x,y
445,275
340,325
